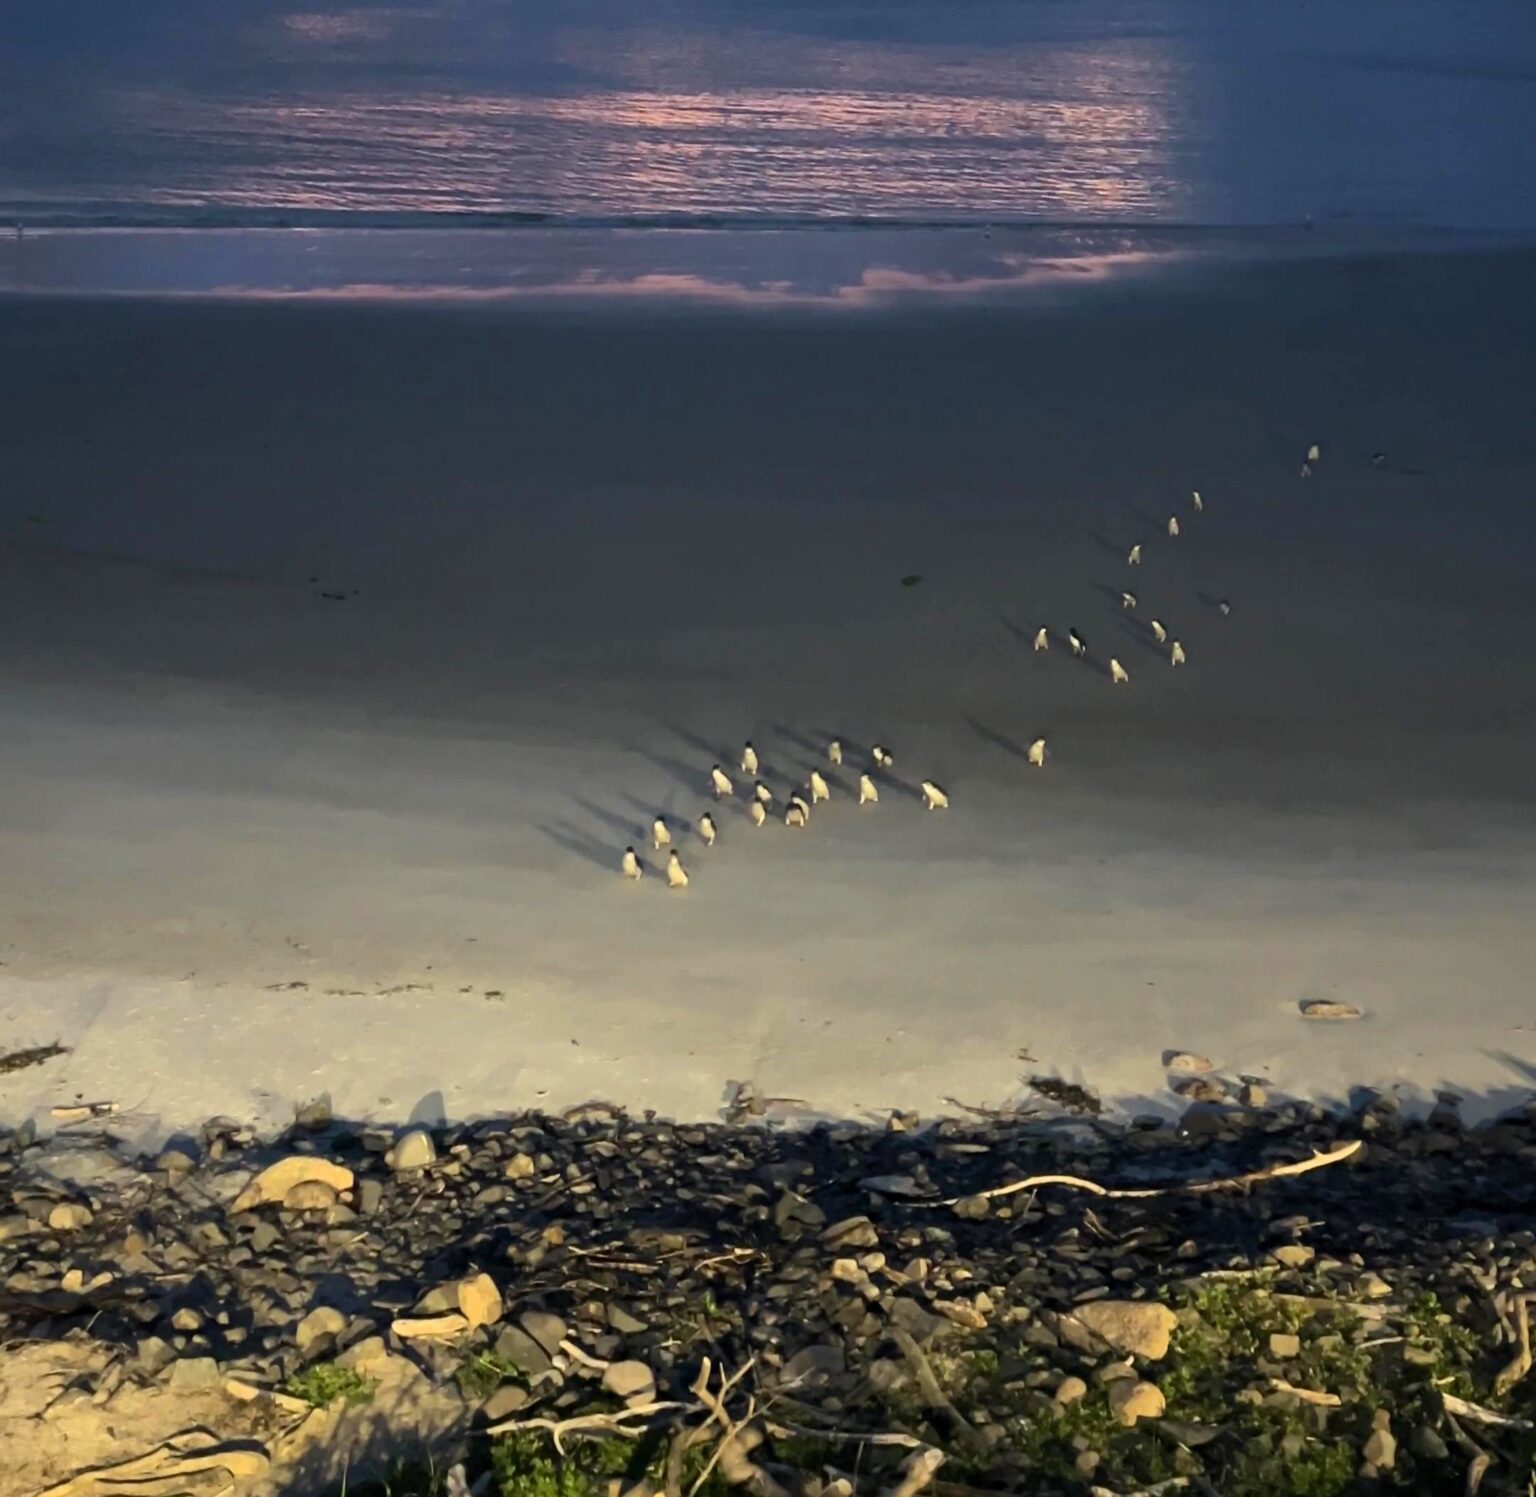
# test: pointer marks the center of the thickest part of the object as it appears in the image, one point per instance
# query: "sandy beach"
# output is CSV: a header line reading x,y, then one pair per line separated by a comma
x,y
261,843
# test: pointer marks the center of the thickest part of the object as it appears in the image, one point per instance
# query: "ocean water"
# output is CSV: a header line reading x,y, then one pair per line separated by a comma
x,y
1231,113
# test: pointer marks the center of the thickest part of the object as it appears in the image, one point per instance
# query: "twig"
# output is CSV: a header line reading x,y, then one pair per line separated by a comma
x,y
933,1395
1480,1459
848,1437
1306,1395
1479,1415
920,1468
1193,1187
613,1424
586,1359
1521,1363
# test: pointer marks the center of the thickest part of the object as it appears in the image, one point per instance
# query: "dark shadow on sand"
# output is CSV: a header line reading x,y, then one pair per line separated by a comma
x,y
571,837
999,740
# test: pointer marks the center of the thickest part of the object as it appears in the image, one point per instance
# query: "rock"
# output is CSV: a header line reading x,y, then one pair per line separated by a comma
x,y
193,1374
241,1392
413,1150
319,1325
1130,1401
521,1167
310,1195
1293,1254
1283,1346
812,1366
13,1226
370,1195
432,1328
504,1402
851,1232
314,1116
479,1300
547,1329
1427,1444
516,1346
957,1312
187,1320
630,1380
176,1159
361,1355
1112,1372
154,1354
273,1183
1380,1447
1183,1063
916,1321
1324,1008
1200,1089
623,1322
69,1216
903,1186
1069,1390
1136,1326
1253,1095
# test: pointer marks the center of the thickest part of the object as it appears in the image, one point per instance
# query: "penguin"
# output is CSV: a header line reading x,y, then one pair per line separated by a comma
x,y
819,790
660,836
1133,557
758,815
1176,654
882,757
797,802
1127,600
1197,501
834,752
677,875
1224,606
1079,649
1117,672
1037,753
1159,633
749,760
1314,453
1173,526
720,782
631,865
1378,460
795,815
1042,639
763,793
934,798
868,795
707,829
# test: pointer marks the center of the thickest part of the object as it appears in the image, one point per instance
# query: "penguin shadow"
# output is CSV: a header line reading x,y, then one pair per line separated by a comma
x,y
688,776
998,740
629,828
1144,517
1211,601
727,759
1089,661
885,780
1115,595
1109,547
1142,637
1024,635
801,742
649,811
583,844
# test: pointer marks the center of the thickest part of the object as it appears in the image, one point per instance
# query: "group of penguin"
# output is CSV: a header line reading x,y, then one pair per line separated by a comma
x,y
797,811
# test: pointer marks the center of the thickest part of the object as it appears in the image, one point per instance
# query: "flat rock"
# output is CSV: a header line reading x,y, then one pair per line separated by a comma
x,y
69,1216
1200,1089
1136,1326
317,1325
545,1328
812,1366
1130,1401
504,1402
630,1380
623,1322
413,1150
431,1328
273,1183
521,1167
515,1345
193,1373
1283,1346
1186,1063
310,1195
479,1300
1327,1008
1293,1254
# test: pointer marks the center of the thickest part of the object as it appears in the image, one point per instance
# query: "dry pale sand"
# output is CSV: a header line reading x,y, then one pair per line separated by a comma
x,y
260,845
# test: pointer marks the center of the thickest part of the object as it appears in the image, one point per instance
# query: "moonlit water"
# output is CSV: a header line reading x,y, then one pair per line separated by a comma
x,y
1204,112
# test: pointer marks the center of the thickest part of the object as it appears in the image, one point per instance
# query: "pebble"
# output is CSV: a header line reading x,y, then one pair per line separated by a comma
x,y
1380,1448
69,1216
273,1183
192,1374
1284,1346
324,1324
521,1167
414,1150
1137,1326
310,1195
1130,1401
1070,1389
430,1328
479,1300
1185,1063
630,1380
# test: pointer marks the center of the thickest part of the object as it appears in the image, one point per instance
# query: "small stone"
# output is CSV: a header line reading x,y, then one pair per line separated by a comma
x,y
1253,1095
521,1167
1427,1444
318,1325
1184,1063
504,1402
1283,1346
1380,1448
1112,1372
812,1366
1130,1401
1293,1254
314,1116
433,1328
623,1322
241,1392
191,1374
414,1150
1086,1462
1200,1089
153,1354
310,1195
69,1216
480,1300
547,1329
957,1312
1069,1390
274,1182
187,1320
515,1345
175,1160
851,1232
1323,1008
13,1226
630,1380
370,1195
1136,1326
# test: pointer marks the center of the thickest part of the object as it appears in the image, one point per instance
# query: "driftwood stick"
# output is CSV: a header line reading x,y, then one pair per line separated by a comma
x,y
847,1437
917,1472
933,1395
1521,1363
1480,1459
1479,1415
613,1424
1193,1187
